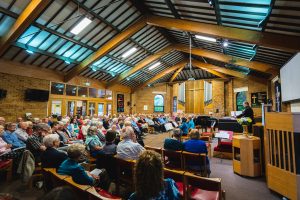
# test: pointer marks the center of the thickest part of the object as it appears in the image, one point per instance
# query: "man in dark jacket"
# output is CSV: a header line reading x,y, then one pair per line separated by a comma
x,y
247,112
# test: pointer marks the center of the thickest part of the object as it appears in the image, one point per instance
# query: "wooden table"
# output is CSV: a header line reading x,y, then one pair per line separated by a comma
x,y
246,155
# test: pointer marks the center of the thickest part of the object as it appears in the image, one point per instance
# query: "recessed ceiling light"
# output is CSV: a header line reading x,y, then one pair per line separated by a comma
x,y
29,51
129,52
81,25
210,39
154,65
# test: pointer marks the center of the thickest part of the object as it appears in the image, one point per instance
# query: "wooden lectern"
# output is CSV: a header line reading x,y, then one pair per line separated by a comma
x,y
282,153
246,155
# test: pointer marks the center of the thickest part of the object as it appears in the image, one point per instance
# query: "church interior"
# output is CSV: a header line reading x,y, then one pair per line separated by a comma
x,y
150,99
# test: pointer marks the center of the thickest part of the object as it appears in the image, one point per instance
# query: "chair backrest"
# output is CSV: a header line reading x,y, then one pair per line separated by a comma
x,y
205,138
125,168
194,162
156,149
172,159
208,184
108,162
178,177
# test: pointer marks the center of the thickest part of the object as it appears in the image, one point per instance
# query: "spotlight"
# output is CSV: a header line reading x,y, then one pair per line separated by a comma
x,y
225,43
127,79
94,68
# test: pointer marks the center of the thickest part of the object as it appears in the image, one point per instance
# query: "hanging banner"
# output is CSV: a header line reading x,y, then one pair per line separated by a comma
x,y
120,103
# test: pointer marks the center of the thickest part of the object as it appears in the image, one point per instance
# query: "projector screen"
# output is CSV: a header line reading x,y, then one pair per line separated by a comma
x,y
290,79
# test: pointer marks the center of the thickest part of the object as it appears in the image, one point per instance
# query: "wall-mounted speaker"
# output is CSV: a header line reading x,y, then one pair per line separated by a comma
x,y
128,103
3,93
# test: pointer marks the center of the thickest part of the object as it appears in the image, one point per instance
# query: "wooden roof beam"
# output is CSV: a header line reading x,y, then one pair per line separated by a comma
x,y
209,68
273,40
28,16
163,73
106,48
254,65
141,65
218,70
176,74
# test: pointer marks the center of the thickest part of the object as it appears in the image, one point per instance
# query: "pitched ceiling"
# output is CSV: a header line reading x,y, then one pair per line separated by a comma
x,y
56,48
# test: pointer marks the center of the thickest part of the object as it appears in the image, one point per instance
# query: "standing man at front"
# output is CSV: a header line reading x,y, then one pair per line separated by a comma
x,y
247,112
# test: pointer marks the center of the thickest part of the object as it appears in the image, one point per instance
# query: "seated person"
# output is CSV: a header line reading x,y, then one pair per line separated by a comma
x,y
93,143
128,148
72,168
51,157
21,131
110,147
184,127
4,147
174,142
10,136
35,141
149,181
195,145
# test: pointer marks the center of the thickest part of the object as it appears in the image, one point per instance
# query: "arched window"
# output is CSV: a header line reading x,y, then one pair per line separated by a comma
x,y
159,103
240,98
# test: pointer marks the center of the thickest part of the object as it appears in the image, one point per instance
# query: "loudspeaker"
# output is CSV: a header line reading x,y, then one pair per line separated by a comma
x,y
3,93
128,103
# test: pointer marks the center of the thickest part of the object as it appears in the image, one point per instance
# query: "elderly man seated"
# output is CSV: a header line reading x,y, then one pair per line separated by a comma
x,y
10,136
195,145
35,141
21,131
128,148
52,158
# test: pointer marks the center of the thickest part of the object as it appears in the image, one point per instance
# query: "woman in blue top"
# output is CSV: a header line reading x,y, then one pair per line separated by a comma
x,y
93,143
184,127
191,123
72,168
149,181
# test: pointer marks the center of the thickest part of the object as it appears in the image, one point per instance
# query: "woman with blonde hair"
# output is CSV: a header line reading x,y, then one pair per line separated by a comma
x,y
149,180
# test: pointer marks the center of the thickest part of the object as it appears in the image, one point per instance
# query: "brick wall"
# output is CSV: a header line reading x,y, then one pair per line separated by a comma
x,y
253,86
145,97
217,104
14,105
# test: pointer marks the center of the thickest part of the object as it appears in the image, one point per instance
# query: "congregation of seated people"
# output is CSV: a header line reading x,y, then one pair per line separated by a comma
x,y
62,142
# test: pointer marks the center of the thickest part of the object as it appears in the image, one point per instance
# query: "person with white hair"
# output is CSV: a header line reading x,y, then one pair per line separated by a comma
x,y
85,126
21,131
52,158
128,148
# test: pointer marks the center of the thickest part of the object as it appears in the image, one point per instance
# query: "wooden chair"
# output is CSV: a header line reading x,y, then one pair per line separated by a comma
x,y
125,174
196,159
7,165
36,176
172,159
156,149
95,194
199,188
178,177
80,189
57,179
151,130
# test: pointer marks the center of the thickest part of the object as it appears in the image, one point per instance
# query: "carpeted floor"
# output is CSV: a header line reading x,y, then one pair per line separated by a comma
x,y
236,187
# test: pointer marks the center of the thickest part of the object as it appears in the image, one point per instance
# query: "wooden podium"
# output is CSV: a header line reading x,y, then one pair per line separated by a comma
x,y
282,153
246,155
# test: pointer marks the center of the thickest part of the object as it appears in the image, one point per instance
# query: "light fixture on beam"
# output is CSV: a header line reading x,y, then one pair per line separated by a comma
x,y
128,79
154,65
210,39
129,52
94,68
225,43
67,62
29,51
81,25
